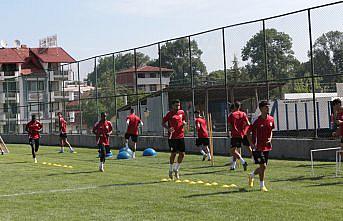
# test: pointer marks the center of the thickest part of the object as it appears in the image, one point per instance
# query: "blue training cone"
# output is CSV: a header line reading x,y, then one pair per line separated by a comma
x,y
149,152
126,149
108,155
124,155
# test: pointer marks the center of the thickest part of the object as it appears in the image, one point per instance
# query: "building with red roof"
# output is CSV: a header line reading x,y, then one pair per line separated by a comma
x,y
30,78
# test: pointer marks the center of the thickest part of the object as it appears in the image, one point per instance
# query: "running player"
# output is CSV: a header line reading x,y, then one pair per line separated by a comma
x,y
34,127
174,121
261,142
202,141
133,121
237,123
337,120
103,129
63,133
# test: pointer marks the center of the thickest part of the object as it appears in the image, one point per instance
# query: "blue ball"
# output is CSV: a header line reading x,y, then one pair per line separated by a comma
x,y
123,155
149,152
126,149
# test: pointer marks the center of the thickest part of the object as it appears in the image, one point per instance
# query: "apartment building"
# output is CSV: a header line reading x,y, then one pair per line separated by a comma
x,y
31,82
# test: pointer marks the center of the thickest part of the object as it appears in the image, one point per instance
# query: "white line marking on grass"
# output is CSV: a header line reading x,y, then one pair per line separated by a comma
x,y
48,191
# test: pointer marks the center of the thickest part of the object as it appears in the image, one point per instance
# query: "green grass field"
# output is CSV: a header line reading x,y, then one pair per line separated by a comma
x,y
133,190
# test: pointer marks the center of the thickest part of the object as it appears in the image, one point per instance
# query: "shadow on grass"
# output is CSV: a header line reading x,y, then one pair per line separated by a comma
x,y
74,173
132,184
326,184
207,172
208,166
240,190
299,178
316,165
16,162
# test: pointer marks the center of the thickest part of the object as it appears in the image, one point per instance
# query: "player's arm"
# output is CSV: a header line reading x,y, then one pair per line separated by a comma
x,y
110,129
95,129
40,127
164,124
27,128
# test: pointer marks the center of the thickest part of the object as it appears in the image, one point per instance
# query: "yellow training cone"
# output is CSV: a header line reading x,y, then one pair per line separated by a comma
x,y
208,184
200,182
178,181
192,182
186,181
233,185
70,166
65,166
49,164
44,163
226,186
164,180
214,184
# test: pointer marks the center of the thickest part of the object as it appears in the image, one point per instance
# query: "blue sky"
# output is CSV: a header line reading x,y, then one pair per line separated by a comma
x,y
86,28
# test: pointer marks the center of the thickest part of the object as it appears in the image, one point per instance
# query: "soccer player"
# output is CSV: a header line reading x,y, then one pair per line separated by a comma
x,y
337,120
237,123
202,139
174,121
103,129
133,121
34,127
261,142
63,133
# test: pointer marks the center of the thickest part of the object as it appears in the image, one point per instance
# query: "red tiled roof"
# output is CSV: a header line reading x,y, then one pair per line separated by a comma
x,y
9,55
145,69
52,55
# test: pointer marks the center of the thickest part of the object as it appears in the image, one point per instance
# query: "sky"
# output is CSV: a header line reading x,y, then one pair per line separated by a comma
x,y
86,28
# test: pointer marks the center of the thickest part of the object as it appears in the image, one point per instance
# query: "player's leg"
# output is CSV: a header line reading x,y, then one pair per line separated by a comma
x,y
102,152
181,150
172,148
199,146
61,143
134,140
127,136
33,150
71,149
36,145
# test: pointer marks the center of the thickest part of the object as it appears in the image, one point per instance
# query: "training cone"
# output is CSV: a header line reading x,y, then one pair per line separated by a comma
x,y
126,149
123,155
149,152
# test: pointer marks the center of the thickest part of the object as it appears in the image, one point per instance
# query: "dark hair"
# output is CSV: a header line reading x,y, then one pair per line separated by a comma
x,y
58,113
232,106
336,101
103,114
175,101
132,110
237,104
196,112
33,116
263,103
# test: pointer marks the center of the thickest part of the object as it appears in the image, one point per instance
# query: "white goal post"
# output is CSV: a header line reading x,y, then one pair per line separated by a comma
x,y
338,159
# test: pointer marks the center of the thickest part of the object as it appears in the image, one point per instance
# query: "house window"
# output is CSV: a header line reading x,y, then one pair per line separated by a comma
x,y
9,86
141,75
33,86
153,87
153,75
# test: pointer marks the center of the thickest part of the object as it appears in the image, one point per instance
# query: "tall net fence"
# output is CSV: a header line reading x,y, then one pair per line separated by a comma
x,y
294,60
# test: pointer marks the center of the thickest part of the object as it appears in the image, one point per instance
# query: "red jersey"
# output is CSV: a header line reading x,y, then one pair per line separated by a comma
x,y
101,129
335,118
261,131
201,127
63,125
239,122
134,121
33,128
175,120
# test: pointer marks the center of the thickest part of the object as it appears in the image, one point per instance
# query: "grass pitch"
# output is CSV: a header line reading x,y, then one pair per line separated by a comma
x,y
133,190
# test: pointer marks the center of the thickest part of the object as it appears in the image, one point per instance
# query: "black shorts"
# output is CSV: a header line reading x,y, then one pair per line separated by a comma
x,y
238,141
202,141
134,138
260,157
63,135
177,145
36,141
341,140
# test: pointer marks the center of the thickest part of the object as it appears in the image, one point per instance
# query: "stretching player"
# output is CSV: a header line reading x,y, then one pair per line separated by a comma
x,y
63,133
261,142
174,122
133,121
34,127
337,120
202,139
103,129
237,123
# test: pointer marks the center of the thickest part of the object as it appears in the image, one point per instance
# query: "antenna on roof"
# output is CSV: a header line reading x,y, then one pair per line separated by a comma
x,y
3,43
17,44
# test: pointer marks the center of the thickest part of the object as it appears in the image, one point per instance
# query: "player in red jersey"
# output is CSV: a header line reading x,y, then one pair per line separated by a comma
x,y
34,127
237,123
174,121
63,133
202,139
133,121
337,120
261,142
103,129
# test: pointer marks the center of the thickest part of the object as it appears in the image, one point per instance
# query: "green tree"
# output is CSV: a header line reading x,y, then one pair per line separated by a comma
x,y
175,55
280,56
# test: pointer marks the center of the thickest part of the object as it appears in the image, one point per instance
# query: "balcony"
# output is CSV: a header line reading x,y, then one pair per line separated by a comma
x,y
148,81
8,75
59,75
10,96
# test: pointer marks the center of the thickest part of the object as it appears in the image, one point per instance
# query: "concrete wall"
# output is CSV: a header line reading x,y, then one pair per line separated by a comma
x,y
283,148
